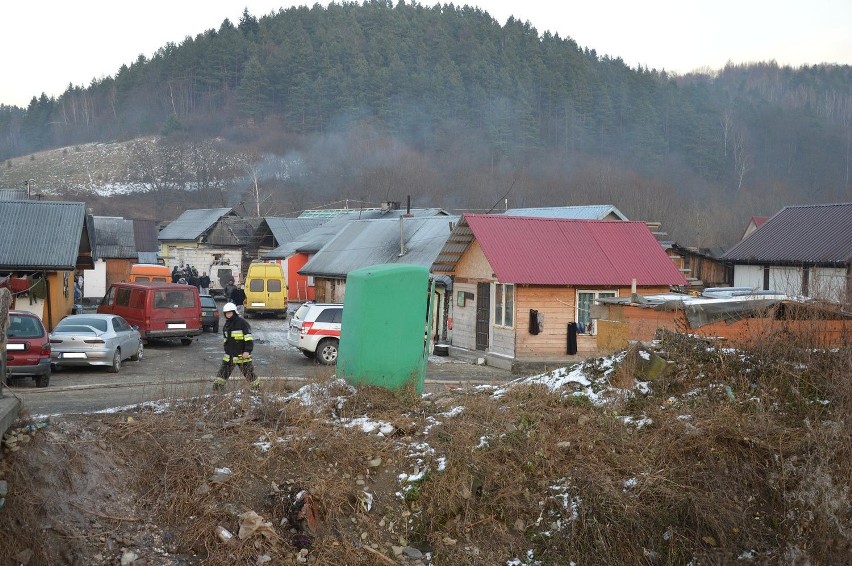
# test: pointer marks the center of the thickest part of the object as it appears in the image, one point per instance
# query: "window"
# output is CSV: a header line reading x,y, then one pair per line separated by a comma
x,y
109,297
174,299
504,305
585,300
256,285
330,315
120,325
122,298
273,285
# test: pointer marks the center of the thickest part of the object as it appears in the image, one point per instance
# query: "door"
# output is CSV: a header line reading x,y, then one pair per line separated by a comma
x,y
483,315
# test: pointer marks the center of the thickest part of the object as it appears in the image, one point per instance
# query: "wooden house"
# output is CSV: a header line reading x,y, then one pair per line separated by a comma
x,y
523,288
700,266
117,243
42,244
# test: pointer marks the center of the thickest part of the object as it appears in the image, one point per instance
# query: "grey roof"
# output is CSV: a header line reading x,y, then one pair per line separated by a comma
x,y
192,224
41,234
364,243
286,230
586,212
113,238
13,194
145,236
819,234
311,242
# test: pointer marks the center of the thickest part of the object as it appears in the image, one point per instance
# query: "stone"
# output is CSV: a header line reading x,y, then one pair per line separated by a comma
x,y
4,488
129,557
397,550
449,541
375,462
412,553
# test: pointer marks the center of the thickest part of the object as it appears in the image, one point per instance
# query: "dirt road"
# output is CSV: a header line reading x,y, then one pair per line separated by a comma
x,y
170,370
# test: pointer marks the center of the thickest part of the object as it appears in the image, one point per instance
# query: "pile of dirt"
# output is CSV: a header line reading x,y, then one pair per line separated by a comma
x,y
672,453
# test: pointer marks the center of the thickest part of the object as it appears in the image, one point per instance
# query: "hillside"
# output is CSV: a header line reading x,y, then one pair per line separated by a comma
x,y
726,456
378,101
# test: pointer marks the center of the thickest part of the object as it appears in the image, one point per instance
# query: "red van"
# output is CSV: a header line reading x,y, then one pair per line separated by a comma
x,y
159,310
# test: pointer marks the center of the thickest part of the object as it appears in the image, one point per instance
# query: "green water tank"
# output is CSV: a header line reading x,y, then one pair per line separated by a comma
x,y
383,338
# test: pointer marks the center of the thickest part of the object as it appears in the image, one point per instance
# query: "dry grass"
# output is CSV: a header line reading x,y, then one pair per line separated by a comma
x,y
732,455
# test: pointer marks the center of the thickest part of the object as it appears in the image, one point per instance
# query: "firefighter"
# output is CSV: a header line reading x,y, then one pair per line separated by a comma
x,y
238,346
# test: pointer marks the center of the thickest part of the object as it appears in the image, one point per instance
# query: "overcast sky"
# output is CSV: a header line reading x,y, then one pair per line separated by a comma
x,y
47,44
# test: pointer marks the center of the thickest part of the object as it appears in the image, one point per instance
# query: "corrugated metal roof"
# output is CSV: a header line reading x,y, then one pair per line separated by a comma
x,y
13,194
145,236
192,224
806,234
586,212
286,230
113,238
364,243
41,234
542,251
312,241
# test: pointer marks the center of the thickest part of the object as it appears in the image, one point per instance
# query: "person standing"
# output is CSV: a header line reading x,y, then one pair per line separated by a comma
x,y
239,344
204,284
238,297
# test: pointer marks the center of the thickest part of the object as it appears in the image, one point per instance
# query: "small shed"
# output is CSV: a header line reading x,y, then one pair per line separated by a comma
x,y
42,244
117,243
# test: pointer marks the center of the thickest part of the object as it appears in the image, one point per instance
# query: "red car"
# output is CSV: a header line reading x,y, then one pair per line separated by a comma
x,y
27,349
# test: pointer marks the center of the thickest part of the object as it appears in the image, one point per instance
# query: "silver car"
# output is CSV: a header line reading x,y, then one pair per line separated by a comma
x,y
94,340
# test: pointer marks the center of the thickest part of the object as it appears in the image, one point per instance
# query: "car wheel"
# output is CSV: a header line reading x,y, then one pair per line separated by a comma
x,y
186,341
139,353
116,361
327,352
215,327
42,380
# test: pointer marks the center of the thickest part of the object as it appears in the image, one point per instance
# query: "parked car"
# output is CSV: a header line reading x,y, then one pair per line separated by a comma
x,y
94,340
266,290
315,331
158,310
209,313
27,349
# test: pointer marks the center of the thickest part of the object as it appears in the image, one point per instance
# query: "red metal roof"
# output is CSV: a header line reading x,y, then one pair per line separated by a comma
x,y
545,251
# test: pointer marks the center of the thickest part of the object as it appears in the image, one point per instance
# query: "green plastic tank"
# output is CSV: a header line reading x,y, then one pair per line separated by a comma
x,y
383,338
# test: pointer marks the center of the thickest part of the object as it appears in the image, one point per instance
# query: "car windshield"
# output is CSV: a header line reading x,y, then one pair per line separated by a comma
x,y
207,301
80,324
23,327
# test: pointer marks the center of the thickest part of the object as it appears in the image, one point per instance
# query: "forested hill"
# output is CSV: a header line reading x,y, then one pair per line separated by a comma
x,y
456,88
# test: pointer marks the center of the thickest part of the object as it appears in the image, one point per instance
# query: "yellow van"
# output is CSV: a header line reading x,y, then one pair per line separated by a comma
x,y
149,273
266,290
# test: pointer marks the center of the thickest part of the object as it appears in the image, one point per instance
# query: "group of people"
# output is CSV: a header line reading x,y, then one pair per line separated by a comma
x,y
188,275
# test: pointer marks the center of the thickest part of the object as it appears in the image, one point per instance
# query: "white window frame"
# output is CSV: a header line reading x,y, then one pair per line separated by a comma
x,y
502,305
596,294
